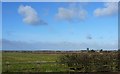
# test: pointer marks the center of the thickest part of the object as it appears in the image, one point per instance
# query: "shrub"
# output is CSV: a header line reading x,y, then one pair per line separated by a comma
x,y
91,62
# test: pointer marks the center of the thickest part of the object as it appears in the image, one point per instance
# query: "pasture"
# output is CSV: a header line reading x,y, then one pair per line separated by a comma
x,y
30,62
51,62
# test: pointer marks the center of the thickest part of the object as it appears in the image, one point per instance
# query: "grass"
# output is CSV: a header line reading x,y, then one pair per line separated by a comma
x,y
27,62
42,62
25,57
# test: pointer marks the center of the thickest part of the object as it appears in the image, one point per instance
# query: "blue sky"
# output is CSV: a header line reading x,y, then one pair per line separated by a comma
x,y
59,25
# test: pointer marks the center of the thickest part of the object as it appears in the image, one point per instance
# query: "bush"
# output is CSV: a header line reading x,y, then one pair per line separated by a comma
x,y
91,62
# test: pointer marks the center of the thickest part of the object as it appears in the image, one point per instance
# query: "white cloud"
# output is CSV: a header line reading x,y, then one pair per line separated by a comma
x,y
30,15
71,13
22,45
110,8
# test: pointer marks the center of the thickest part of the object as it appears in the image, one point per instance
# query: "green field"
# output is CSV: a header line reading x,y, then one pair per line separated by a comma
x,y
29,62
42,62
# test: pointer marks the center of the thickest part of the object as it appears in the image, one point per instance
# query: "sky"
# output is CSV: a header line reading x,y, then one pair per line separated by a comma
x,y
59,25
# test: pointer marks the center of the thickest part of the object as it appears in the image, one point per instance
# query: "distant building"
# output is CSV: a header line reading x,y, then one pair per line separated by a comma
x,y
87,49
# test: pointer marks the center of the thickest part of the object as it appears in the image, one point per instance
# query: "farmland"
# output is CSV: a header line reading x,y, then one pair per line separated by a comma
x,y
59,62
27,62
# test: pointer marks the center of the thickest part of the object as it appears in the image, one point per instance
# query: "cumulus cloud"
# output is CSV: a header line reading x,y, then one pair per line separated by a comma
x,y
110,8
71,13
30,15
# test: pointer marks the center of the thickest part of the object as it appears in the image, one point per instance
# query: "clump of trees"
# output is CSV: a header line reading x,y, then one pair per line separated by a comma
x,y
91,62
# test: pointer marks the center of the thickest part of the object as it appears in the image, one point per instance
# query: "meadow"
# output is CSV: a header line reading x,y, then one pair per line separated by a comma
x,y
30,62
59,62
